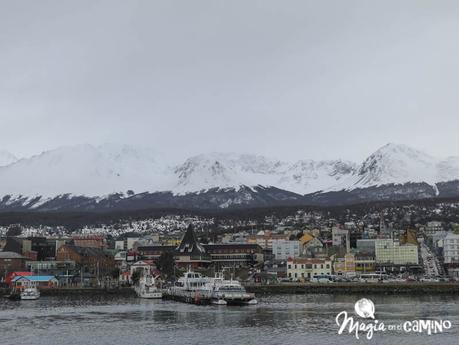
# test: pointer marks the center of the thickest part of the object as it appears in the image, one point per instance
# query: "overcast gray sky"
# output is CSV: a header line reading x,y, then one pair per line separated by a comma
x,y
289,79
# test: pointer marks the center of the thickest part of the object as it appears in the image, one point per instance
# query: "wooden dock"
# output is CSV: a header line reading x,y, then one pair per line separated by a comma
x,y
187,297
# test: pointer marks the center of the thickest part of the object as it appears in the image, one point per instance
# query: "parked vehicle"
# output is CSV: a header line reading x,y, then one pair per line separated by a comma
x,y
429,280
321,279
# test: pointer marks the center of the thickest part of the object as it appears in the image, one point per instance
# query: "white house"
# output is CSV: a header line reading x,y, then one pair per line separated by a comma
x,y
451,248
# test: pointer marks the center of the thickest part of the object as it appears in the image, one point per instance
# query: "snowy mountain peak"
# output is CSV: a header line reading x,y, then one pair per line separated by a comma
x,y
401,151
400,164
394,163
84,170
224,170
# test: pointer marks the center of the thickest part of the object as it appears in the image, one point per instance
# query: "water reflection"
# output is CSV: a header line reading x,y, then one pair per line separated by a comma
x,y
280,319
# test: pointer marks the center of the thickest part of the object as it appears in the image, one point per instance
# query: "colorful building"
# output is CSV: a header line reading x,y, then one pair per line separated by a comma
x,y
344,265
364,263
41,282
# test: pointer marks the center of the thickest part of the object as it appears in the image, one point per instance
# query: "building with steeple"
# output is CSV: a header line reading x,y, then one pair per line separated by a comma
x,y
191,253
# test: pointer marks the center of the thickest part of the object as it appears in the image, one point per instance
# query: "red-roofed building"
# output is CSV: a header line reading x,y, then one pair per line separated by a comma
x,y
10,277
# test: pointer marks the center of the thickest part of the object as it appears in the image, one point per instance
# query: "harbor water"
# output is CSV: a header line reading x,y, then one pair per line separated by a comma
x,y
277,319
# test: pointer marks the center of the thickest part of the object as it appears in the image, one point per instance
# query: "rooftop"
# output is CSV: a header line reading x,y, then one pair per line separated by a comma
x,y
86,251
306,238
307,260
451,235
10,255
35,278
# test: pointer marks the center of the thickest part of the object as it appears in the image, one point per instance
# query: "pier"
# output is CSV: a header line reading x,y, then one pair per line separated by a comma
x,y
188,297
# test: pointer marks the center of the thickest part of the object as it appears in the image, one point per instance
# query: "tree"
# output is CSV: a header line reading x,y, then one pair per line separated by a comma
x,y
115,273
166,263
14,230
135,277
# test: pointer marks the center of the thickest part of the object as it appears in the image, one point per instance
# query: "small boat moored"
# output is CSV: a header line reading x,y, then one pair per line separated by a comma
x,y
30,293
146,288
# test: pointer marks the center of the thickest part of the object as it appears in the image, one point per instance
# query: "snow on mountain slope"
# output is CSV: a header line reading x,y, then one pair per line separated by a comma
x,y
85,170
308,176
399,164
97,171
229,170
225,170
6,158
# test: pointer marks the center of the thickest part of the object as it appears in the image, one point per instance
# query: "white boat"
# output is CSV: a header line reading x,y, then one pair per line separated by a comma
x,y
188,285
30,293
146,288
226,292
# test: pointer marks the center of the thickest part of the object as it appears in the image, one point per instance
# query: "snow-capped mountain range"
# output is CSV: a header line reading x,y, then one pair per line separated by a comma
x,y
217,170
91,175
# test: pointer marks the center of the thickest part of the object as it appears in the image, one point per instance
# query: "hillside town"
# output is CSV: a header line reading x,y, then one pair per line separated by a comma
x,y
306,246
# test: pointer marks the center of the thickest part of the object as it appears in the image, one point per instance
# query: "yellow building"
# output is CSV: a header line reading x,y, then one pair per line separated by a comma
x,y
345,265
364,263
172,242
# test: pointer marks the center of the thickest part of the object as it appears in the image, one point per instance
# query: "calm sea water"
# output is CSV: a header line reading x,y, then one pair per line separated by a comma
x,y
277,319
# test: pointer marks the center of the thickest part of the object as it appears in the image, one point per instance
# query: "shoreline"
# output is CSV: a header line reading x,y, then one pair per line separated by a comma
x,y
357,288
121,292
289,288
